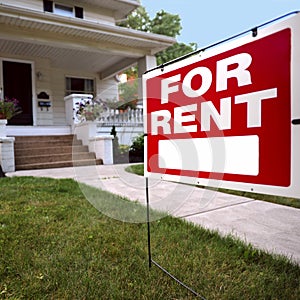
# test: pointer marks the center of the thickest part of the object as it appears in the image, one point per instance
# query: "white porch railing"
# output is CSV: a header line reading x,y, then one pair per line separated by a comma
x,y
128,118
128,124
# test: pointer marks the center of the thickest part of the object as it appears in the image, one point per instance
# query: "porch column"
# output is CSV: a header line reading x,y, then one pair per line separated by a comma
x,y
7,156
146,63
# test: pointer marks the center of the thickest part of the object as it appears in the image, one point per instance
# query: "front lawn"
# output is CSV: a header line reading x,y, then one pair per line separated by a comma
x,y
55,245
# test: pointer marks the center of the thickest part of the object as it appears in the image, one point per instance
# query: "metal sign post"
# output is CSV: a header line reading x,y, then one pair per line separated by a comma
x,y
150,260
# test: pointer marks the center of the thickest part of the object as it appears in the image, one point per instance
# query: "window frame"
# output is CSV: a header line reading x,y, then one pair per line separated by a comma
x,y
74,91
50,6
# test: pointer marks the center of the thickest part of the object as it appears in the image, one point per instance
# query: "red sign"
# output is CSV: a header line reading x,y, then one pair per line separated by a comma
x,y
226,117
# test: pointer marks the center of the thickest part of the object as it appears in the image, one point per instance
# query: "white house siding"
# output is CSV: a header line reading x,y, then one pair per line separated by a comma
x,y
98,15
43,84
90,13
36,5
58,91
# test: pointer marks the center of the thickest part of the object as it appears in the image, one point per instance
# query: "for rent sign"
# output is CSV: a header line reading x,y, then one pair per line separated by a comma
x,y
225,118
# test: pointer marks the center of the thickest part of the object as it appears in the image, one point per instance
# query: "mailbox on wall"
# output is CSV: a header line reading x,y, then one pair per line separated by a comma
x,y
44,102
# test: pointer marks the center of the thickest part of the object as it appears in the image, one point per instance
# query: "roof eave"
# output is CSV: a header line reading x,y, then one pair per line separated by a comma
x,y
155,42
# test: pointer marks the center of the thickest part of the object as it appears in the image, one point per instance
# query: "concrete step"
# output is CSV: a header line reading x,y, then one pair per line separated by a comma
x,y
41,138
41,152
61,164
32,159
45,144
54,150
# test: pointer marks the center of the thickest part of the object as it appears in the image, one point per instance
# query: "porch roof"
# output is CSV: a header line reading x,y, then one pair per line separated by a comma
x,y
75,43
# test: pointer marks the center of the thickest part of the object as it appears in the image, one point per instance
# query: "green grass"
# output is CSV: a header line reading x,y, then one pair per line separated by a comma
x,y
293,202
55,245
136,169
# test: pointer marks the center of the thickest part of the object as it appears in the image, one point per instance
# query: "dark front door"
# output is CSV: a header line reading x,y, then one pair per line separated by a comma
x,y
17,84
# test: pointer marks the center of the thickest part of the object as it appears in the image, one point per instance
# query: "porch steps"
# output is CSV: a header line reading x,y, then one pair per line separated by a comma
x,y
43,152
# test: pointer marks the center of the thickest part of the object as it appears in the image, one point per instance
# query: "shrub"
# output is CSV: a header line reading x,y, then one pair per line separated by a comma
x,y
136,151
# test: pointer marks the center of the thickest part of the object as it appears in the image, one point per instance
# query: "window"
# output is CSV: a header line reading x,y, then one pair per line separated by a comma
x,y
48,6
76,85
63,10
79,12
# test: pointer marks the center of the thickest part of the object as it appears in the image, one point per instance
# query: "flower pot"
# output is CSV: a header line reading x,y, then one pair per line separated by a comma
x,y
3,123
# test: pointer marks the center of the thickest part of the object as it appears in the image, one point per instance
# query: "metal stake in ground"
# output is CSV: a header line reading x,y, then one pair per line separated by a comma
x,y
149,249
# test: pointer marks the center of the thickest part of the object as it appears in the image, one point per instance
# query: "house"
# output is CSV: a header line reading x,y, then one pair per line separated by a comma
x,y
52,51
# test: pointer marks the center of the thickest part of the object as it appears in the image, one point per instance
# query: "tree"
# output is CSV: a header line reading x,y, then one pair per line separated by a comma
x,y
166,24
139,19
176,50
163,23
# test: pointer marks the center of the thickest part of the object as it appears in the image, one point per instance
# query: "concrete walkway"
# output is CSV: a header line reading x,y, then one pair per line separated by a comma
x,y
271,227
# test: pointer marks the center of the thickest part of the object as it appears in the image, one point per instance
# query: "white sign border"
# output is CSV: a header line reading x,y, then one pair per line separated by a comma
x,y
294,189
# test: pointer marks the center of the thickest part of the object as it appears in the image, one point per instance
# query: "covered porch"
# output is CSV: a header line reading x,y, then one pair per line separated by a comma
x,y
40,52
46,57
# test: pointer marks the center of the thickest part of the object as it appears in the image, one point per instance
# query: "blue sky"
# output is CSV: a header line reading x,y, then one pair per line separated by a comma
x,y
207,22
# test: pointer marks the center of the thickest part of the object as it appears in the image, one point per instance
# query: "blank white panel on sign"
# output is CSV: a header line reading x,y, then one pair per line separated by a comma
x,y
231,155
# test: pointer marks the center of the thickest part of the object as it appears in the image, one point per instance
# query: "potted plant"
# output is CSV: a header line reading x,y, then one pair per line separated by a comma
x,y
89,110
9,108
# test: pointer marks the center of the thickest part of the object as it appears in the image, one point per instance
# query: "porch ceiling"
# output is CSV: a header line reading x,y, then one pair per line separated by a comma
x,y
67,58
74,43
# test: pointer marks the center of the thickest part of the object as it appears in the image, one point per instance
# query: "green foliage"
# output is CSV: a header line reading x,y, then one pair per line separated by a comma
x,y
89,110
163,23
138,143
136,169
120,152
136,152
174,51
132,72
128,93
138,19
124,149
166,24
55,245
